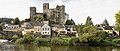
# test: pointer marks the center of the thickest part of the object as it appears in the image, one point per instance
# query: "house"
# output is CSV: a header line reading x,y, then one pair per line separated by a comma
x,y
39,28
108,29
45,30
59,30
14,28
27,28
64,30
105,27
71,31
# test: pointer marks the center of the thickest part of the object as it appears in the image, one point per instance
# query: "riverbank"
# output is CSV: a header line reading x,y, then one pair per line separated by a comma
x,y
31,47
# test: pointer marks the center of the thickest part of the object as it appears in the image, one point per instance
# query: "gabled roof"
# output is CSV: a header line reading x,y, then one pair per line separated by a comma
x,y
99,28
108,28
105,28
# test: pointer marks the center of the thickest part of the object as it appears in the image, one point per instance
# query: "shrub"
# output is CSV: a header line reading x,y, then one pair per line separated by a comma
x,y
15,37
42,41
2,37
20,41
57,41
67,40
26,39
74,41
116,41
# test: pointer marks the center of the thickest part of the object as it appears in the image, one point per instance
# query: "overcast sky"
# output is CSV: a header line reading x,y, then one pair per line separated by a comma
x,y
78,10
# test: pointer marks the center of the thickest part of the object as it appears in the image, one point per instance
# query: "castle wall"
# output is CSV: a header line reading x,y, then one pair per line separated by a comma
x,y
56,14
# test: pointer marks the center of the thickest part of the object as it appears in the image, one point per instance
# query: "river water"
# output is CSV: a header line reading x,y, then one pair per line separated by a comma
x,y
18,47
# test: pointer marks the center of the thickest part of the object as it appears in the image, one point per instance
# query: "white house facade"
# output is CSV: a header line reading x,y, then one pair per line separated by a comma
x,y
46,30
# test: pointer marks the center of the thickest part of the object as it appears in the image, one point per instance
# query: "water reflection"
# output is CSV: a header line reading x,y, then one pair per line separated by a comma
x,y
18,47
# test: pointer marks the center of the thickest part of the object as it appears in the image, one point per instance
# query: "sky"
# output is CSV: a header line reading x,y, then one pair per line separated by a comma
x,y
78,10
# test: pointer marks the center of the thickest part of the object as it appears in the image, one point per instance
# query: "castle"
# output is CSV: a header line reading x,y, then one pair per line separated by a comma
x,y
56,15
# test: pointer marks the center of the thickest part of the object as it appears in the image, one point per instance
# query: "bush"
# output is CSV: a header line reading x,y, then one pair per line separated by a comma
x,y
15,37
20,41
66,40
26,39
2,37
42,41
116,41
57,41
74,41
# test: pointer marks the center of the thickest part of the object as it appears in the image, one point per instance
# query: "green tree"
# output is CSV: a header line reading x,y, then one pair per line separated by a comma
x,y
87,34
89,21
117,22
70,22
16,21
45,17
90,35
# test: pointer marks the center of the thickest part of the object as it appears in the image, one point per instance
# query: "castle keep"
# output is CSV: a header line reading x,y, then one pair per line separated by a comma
x,y
57,14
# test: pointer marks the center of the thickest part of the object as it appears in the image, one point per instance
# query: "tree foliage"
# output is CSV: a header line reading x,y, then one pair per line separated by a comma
x,y
45,17
90,35
117,22
70,22
16,21
38,18
89,21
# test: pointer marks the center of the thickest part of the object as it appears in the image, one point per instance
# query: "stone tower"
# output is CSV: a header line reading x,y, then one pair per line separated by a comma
x,y
45,7
32,12
62,14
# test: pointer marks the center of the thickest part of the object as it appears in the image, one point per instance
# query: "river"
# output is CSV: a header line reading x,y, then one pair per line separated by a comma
x,y
18,47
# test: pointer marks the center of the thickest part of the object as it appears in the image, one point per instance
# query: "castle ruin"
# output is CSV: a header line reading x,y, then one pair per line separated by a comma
x,y
57,14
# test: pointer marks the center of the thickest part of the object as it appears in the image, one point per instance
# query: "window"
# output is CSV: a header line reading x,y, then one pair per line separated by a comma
x,y
43,28
45,32
11,27
68,29
48,28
